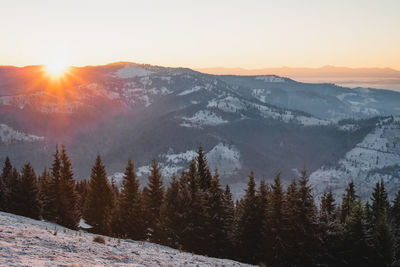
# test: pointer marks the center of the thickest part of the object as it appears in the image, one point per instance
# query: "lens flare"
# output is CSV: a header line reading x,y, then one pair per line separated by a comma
x,y
56,69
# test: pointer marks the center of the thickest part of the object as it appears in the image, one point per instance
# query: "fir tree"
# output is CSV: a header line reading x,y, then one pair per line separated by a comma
x,y
276,218
262,223
218,221
230,217
153,199
382,237
204,174
51,199
29,205
355,245
5,184
194,234
247,233
348,200
330,231
131,213
307,223
395,214
68,207
328,207
172,215
99,199
291,225
15,198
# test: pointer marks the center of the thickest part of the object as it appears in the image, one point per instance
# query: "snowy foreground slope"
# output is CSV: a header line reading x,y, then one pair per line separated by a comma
x,y
27,242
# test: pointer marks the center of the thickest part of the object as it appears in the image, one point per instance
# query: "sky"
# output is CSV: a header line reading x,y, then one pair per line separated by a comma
x,y
207,33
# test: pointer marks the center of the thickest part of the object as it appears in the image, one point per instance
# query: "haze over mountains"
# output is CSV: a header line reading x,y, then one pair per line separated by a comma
x,y
264,123
383,78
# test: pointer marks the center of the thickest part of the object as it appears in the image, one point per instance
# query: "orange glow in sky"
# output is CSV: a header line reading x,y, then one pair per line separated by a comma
x,y
228,33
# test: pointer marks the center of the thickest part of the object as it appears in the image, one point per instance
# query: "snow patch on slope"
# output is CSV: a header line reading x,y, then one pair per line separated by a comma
x,y
27,242
189,91
270,79
9,135
224,157
203,118
132,71
365,163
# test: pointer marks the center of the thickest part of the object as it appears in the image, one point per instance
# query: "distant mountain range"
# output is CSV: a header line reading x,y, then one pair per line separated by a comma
x,y
264,123
383,78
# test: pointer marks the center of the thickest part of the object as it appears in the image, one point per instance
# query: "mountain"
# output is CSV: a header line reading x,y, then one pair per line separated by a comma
x,y
268,124
325,71
28,242
383,78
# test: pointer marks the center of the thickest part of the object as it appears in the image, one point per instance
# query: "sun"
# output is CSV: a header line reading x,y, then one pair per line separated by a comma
x,y
56,69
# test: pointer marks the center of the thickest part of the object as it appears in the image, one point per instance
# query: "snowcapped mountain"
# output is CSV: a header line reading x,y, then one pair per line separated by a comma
x,y
28,242
124,110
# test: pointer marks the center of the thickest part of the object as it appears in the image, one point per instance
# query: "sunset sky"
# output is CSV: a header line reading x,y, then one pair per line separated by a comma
x,y
248,34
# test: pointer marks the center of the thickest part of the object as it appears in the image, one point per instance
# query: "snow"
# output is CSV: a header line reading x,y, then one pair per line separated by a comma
x,y
378,150
180,157
27,242
270,79
145,100
129,71
82,224
192,90
227,104
9,135
261,94
203,118
224,157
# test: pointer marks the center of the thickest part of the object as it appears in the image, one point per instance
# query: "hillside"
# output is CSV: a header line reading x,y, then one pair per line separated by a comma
x,y
27,242
268,124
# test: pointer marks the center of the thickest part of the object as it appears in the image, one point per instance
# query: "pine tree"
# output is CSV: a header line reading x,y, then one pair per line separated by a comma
x,y
291,237
248,233
15,198
277,223
153,199
230,217
348,200
131,215
355,243
307,223
382,237
99,199
5,181
328,207
172,215
395,214
30,204
218,221
204,174
262,223
68,207
330,231
51,200
194,235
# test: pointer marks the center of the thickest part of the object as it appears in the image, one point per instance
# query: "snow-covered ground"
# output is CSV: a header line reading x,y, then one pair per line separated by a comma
x,y
27,242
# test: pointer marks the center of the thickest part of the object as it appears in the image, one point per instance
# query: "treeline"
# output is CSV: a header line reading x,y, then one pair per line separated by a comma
x,y
269,225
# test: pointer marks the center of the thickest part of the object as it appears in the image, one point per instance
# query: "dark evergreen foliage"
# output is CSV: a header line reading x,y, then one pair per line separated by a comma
x,y
29,204
131,214
153,198
99,200
269,226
